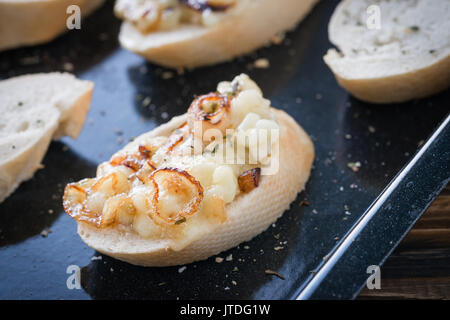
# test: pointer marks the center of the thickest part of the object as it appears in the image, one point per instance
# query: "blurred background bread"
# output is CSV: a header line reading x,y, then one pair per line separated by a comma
x,y
244,27
407,56
31,22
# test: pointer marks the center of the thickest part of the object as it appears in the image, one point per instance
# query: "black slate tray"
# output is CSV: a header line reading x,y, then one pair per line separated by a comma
x,y
353,220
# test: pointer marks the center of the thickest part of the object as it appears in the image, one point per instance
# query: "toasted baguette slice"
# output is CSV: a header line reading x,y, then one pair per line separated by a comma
x,y
36,109
183,192
253,26
30,22
408,57
248,215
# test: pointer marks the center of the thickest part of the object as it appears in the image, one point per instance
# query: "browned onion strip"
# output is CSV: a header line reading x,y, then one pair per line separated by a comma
x,y
249,180
177,137
76,207
151,165
217,118
197,107
191,207
133,161
76,195
145,172
145,151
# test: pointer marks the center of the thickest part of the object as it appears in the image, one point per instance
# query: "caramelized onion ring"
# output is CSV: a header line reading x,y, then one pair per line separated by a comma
x,y
217,118
189,209
74,205
177,137
76,195
133,161
145,151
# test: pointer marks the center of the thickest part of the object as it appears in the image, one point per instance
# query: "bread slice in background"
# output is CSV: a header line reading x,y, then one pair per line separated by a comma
x,y
407,58
253,26
34,110
30,22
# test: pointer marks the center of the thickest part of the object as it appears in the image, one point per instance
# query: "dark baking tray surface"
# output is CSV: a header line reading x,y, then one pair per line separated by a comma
x,y
352,220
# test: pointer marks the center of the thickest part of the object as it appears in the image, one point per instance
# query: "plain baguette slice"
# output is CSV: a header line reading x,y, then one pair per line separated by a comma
x,y
247,216
30,22
36,109
407,58
256,23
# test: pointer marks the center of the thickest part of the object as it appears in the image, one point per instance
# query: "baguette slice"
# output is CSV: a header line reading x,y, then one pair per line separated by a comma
x,y
247,216
31,22
36,109
254,25
407,58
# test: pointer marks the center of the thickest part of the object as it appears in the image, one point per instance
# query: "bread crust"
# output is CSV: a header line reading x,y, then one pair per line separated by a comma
x,y
190,46
403,87
23,166
247,216
31,22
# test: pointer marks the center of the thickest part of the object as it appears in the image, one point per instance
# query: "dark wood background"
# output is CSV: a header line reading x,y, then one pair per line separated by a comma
x,y
420,266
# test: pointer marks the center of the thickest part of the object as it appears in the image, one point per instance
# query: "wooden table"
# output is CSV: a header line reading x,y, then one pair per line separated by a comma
x,y
420,266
